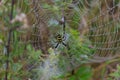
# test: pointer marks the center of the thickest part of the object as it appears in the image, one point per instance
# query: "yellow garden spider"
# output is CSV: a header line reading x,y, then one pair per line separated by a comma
x,y
60,40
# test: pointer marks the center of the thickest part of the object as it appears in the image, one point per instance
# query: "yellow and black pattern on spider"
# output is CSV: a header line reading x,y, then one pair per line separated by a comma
x,y
60,40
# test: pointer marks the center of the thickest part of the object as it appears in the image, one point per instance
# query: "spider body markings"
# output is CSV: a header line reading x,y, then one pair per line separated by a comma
x,y
60,40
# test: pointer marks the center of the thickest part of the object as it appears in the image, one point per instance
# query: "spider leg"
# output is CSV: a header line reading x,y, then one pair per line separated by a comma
x,y
64,38
67,46
56,45
64,44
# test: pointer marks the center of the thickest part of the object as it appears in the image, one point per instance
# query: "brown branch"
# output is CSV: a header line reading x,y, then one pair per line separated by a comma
x,y
8,42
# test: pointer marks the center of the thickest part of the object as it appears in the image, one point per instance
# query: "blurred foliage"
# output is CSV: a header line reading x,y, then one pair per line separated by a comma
x,y
83,73
20,60
115,75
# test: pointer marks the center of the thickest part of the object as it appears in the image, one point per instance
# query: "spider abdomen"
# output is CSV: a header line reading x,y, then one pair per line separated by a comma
x,y
59,39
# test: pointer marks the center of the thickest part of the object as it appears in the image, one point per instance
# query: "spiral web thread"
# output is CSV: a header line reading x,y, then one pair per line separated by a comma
x,y
104,31
102,28
101,25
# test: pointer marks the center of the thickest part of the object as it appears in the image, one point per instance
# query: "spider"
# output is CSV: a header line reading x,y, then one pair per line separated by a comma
x,y
60,40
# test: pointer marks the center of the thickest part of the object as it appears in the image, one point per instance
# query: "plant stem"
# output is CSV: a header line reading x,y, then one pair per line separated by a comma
x,y
8,42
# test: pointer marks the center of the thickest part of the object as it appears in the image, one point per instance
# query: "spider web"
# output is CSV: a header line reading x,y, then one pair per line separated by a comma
x,y
99,22
104,30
